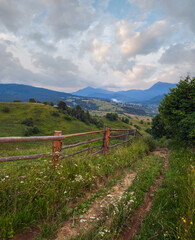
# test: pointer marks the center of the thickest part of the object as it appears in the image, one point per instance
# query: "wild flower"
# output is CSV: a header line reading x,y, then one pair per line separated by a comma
x,y
22,182
78,178
191,223
65,192
102,233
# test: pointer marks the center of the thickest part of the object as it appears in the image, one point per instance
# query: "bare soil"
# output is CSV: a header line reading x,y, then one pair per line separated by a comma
x,y
134,223
93,214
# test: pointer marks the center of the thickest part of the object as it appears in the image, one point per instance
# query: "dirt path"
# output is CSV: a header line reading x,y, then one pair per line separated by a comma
x,y
93,214
135,222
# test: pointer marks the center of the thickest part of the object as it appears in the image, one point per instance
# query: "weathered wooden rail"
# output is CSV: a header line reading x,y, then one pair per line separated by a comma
x,y
57,147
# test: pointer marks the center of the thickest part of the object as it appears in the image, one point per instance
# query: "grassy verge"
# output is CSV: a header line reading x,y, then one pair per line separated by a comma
x,y
35,193
119,209
172,214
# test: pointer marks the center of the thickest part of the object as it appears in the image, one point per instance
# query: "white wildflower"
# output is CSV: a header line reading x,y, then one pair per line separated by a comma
x,y
83,220
102,233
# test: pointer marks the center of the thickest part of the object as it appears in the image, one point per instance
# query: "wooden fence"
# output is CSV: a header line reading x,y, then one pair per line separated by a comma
x,y
57,147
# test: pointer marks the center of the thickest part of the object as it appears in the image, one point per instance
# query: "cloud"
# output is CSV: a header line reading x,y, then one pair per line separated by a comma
x,y
16,15
182,11
145,41
12,70
55,65
178,54
66,17
39,39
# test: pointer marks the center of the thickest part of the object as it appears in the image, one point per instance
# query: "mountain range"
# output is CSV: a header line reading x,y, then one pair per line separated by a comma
x,y
153,95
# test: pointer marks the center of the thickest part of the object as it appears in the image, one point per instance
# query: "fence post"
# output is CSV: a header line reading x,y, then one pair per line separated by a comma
x,y
106,139
135,132
56,147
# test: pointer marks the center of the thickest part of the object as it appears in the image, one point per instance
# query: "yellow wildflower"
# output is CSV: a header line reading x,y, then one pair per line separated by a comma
x,y
186,230
184,220
178,237
191,223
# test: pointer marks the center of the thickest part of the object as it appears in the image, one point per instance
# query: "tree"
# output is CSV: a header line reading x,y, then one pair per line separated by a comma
x,y
62,105
112,116
32,100
176,111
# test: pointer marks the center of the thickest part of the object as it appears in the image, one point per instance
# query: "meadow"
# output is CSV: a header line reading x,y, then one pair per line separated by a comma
x,y
38,197
35,193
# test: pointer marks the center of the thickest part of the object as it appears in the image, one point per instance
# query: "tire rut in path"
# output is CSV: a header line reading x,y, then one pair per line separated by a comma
x,y
135,222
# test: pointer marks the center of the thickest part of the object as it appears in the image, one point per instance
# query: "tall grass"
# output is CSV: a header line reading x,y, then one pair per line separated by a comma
x,y
172,215
35,192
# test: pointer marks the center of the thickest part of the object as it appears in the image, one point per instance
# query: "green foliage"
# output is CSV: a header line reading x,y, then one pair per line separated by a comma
x,y
112,116
158,127
136,126
31,130
28,122
5,110
62,105
125,120
32,100
149,140
55,114
176,113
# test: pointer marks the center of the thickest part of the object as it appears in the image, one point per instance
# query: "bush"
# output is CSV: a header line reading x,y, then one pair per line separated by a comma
x,y
67,117
164,142
55,114
28,122
32,100
149,140
112,116
136,126
125,120
31,131
6,110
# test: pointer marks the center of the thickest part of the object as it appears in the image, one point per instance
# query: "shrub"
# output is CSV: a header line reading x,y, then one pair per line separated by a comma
x,y
164,142
67,117
55,114
31,131
6,110
112,116
32,100
136,126
149,140
28,122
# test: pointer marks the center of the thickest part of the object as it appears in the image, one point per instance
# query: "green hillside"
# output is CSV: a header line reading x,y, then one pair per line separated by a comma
x,y
44,118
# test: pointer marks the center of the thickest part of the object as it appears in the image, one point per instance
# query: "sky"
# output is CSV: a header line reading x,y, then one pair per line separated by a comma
x,y
66,45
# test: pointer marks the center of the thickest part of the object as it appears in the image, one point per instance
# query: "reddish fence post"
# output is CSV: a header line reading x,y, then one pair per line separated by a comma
x,y
135,132
56,147
106,139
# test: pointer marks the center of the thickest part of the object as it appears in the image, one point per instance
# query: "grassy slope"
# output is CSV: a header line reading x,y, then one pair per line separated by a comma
x,y
10,123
